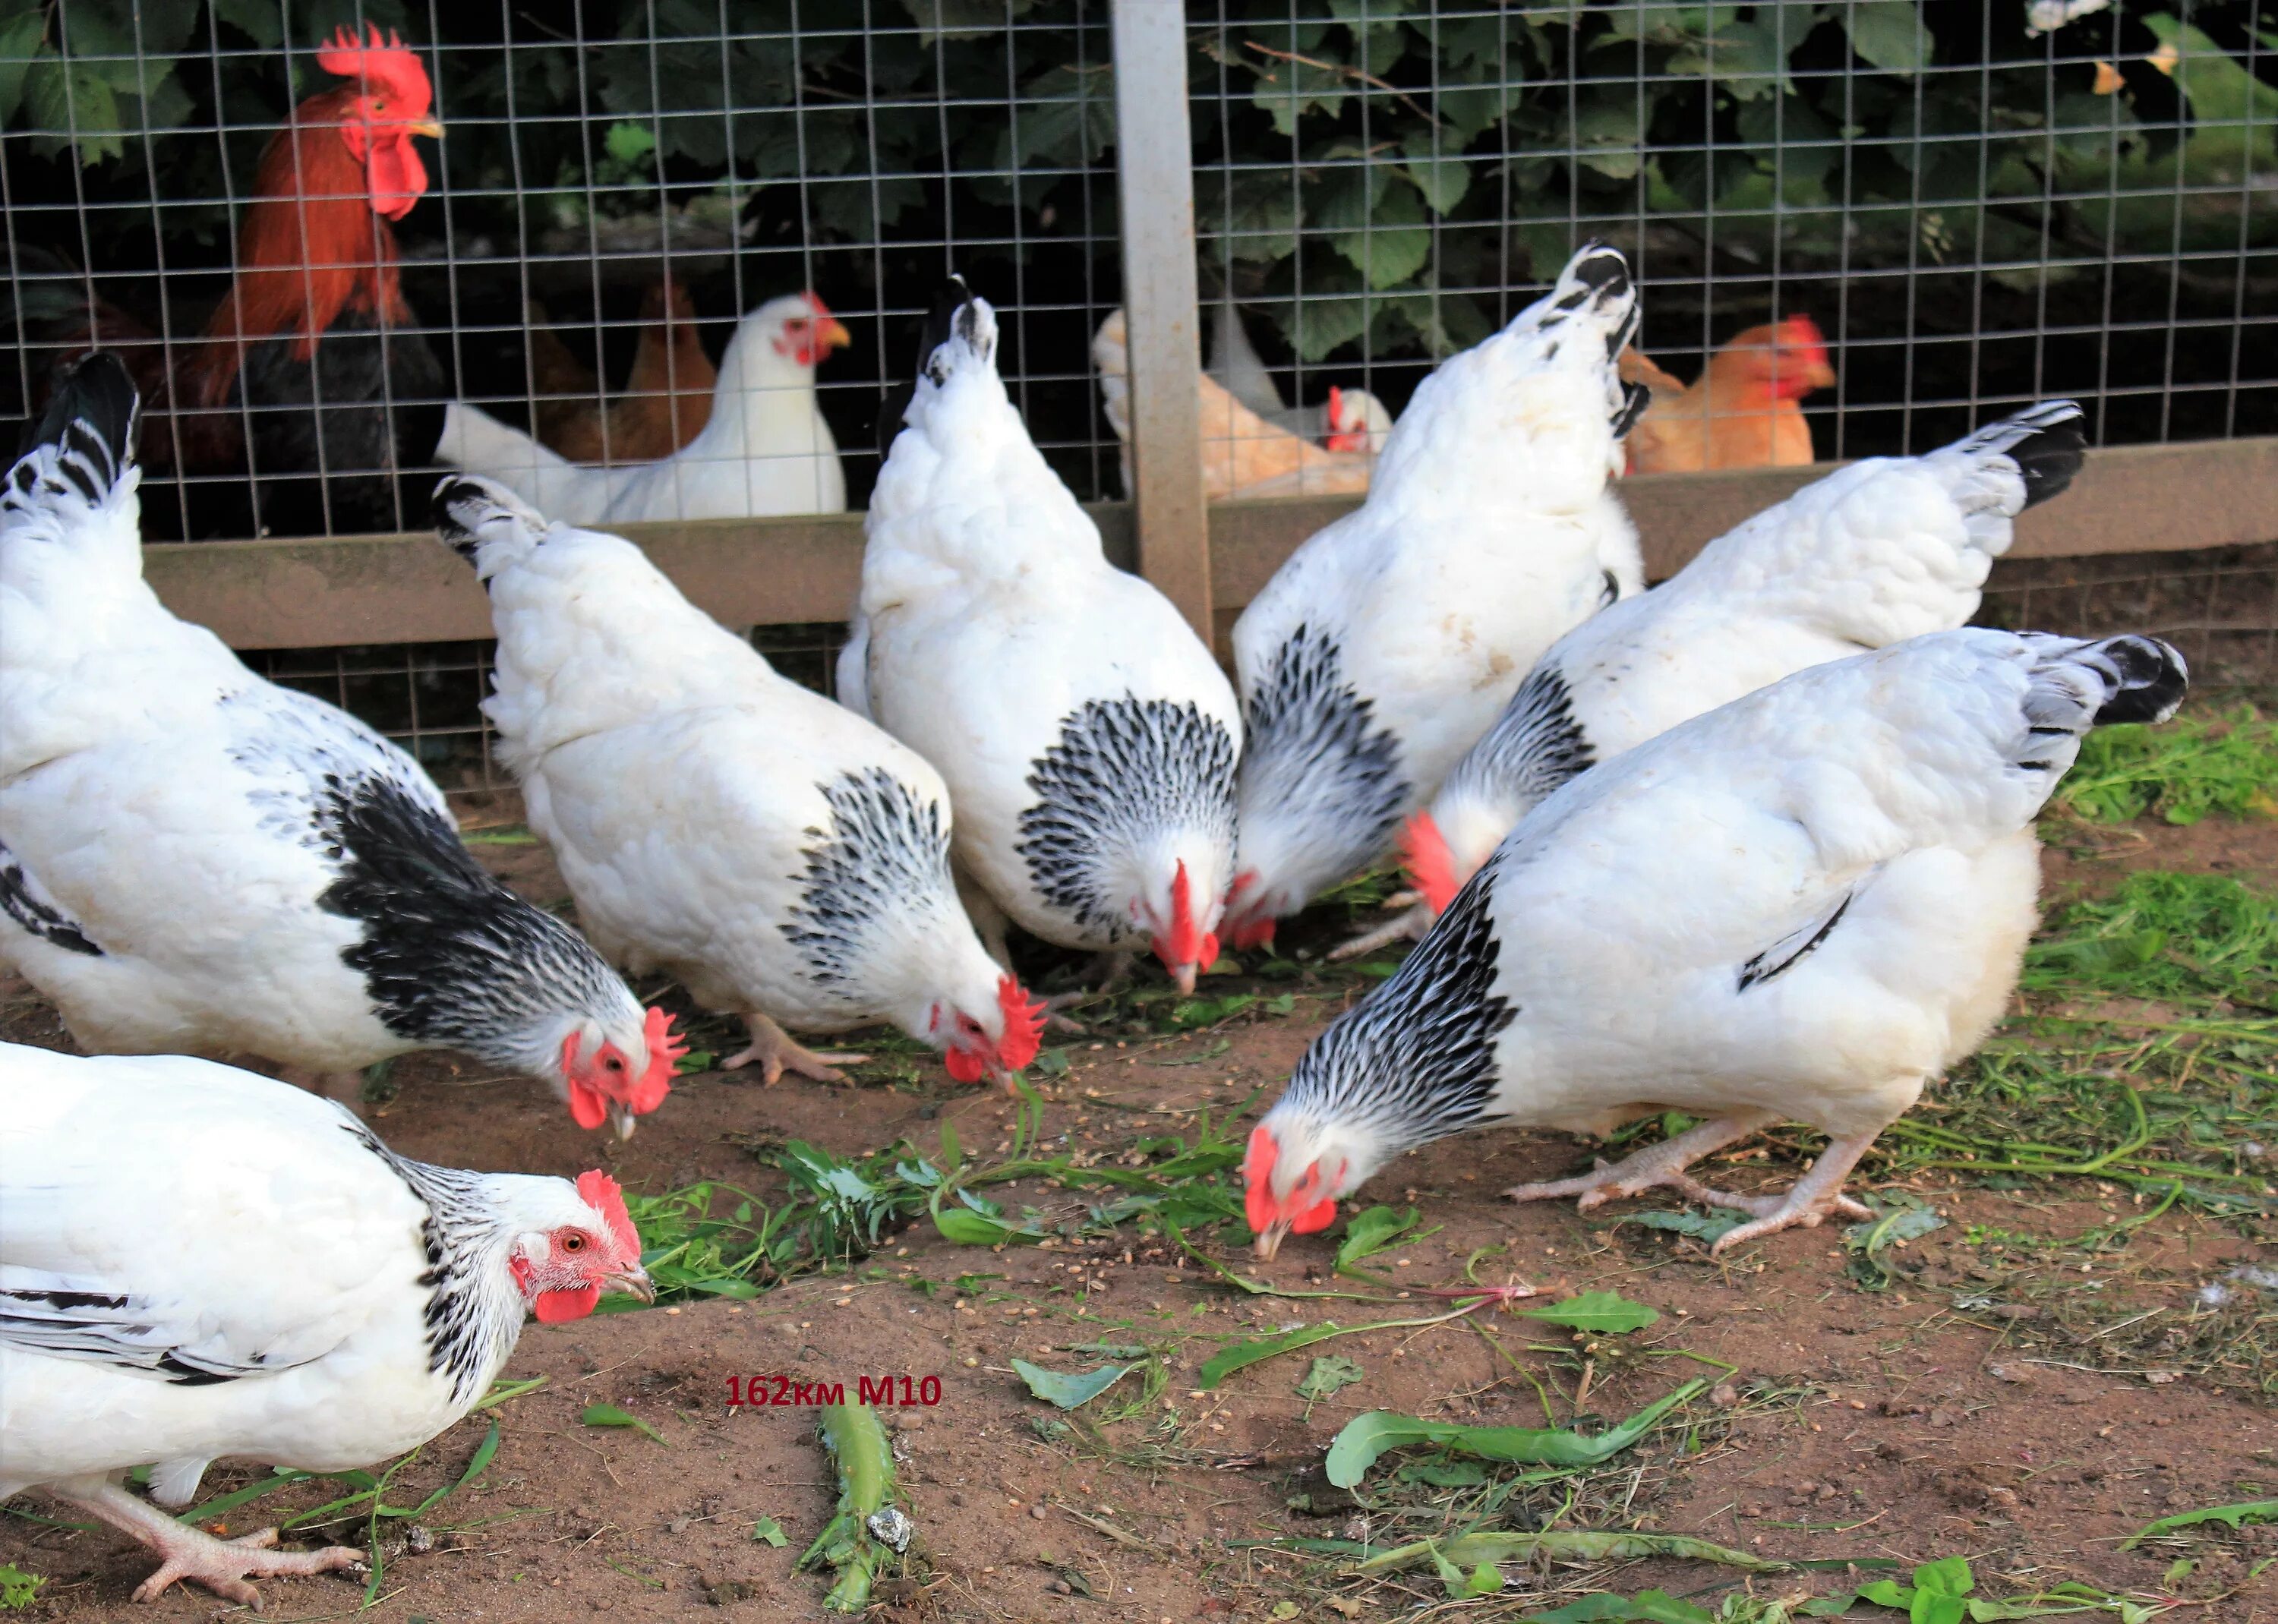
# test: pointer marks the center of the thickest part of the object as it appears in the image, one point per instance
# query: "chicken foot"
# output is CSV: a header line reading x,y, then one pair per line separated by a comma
x,y
1106,971
775,1051
1814,1196
1410,924
221,1566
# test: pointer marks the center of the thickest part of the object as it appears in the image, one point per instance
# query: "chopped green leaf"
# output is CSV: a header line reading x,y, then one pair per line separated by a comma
x,y
1711,1227
18,1589
1606,1311
768,1531
1369,1232
1331,1373
1368,1436
610,1415
1068,1392
2230,1516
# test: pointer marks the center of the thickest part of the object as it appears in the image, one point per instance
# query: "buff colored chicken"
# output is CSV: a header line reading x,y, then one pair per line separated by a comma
x,y
1741,412
1242,453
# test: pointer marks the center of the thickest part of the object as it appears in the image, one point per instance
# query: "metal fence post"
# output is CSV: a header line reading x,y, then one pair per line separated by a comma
x,y
1154,184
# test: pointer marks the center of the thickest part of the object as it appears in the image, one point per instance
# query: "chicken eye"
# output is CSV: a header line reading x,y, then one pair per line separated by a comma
x,y
614,1063
573,1242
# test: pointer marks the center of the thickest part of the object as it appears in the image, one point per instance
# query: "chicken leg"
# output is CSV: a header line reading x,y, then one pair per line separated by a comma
x,y
1409,924
773,1049
1106,972
221,1566
1815,1196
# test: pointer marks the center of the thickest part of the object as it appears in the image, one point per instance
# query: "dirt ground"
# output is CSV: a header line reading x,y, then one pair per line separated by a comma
x,y
2015,1397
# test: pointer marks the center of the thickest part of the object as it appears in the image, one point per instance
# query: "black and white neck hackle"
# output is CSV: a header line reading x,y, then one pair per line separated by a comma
x,y
884,847
1312,741
1124,774
450,958
1414,1061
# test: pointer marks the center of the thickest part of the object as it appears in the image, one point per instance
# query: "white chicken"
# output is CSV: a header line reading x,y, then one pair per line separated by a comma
x,y
765,451
1088,738
195,860
1387,643
1880,551
1348,420
197,1263
1802,906
782,858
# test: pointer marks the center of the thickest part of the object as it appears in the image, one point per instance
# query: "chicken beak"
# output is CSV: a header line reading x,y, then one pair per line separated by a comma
x,y
427,127
1184,976
1270,1239
633,1282
830,336
622,1118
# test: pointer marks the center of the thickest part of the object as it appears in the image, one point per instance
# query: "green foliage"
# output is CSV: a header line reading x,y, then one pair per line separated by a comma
x,y
2164,936
18,1589
1330,1373
1898,1217
2146,1053
610,1415
2180,770
1367,1436
2230,1516
1375,1230
1067,1392
1383,158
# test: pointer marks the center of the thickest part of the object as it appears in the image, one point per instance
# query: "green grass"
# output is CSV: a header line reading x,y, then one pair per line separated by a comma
x,y
2146,1052
2179,772
713,1239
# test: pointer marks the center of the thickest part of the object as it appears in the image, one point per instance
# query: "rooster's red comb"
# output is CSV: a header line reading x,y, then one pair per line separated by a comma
x,y
387,64
599,1192
1024,1025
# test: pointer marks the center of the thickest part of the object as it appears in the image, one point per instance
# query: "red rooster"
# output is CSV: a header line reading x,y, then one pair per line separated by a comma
x,y
316,315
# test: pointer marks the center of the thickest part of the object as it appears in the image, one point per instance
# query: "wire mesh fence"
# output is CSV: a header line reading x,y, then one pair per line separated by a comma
x,y
1971,205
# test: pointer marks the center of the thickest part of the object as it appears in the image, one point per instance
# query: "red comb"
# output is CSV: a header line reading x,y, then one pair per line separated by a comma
x,y
1184,944
665,1049
599,1192
1024,1025
389,62
1256,1172
1424,850
816,304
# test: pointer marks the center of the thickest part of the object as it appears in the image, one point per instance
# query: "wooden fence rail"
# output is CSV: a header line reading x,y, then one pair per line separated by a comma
x,y
407,589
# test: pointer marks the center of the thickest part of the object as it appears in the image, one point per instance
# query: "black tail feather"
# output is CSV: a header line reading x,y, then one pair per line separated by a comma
x,y
2147,678
2049,459
90,422
1635,398
941,322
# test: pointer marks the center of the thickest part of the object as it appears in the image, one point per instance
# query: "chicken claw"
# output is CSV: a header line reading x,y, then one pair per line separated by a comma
x,y
775,1052
1658,1164
1813,1197
1409,924
221,1566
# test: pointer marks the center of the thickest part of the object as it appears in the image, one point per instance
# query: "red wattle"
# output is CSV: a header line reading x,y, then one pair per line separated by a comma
x,y
587,1108
394,176
964,1066
1315,1221
556,1308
